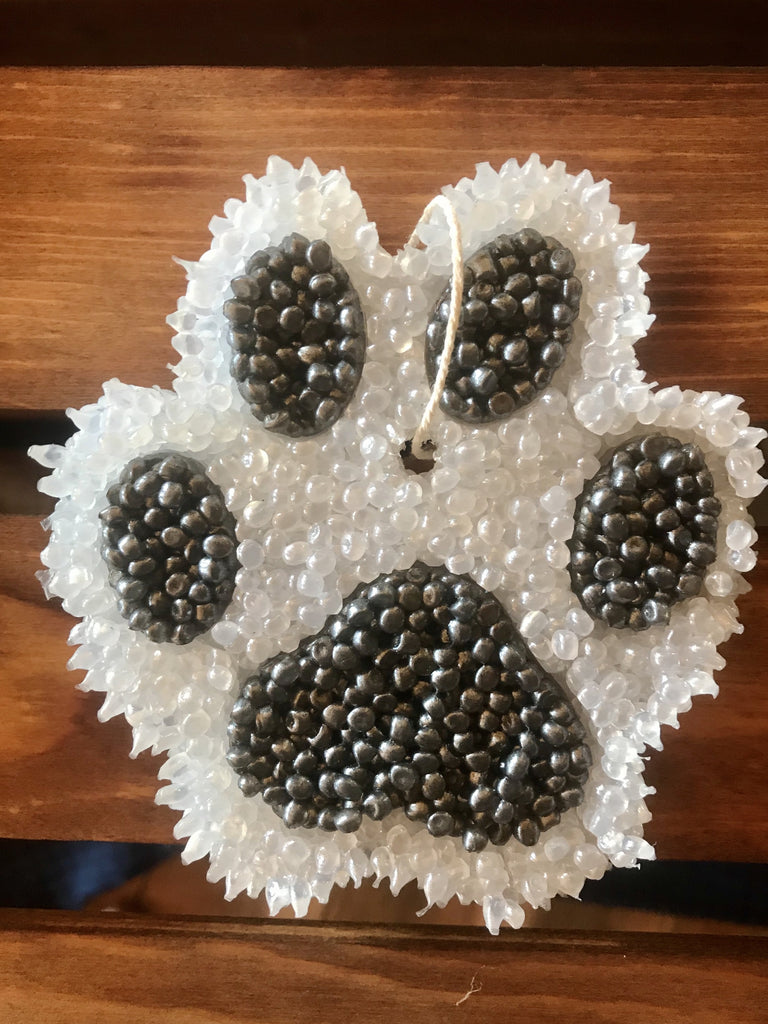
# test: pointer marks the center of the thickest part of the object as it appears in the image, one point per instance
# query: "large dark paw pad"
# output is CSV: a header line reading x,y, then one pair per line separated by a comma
x,y
420,694
170,542
520,299
645,532
298,334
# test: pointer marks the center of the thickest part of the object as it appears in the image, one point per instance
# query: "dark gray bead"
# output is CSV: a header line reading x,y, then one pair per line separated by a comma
x,y
527,832
361,719
440,823
348,819
171,494
318,256
689,585
517,764
702,553
403,777
474,839
294,814
561,262
347,789
377,806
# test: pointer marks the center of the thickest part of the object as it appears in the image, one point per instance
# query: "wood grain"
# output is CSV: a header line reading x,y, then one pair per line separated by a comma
x,y
64,775
117,969
112,172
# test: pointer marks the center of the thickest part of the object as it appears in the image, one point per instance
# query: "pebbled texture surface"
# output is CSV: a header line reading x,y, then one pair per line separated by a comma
x,y
420,694
298,336
520,299
169,542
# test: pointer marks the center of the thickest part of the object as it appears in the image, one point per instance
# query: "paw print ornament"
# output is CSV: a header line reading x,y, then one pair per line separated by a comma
x,y
359,670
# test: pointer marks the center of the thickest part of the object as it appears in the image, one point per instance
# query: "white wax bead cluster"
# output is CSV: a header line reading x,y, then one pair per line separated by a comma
x,y
316,517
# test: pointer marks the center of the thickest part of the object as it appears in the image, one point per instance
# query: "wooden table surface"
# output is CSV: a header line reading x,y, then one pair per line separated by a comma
x,y
109,173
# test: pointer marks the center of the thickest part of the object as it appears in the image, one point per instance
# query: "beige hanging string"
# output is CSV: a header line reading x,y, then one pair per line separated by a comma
x,y
421,439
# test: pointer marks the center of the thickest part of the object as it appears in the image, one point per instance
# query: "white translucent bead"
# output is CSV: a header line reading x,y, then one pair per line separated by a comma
x,y
219,677
527,534
580,622
275,624
719,584
565,644
554,500
591,861
739,534
443,479
373,447
743,561
461,563
490,529
533,623
494,913
225,633
310,583
529,444
542,578
381,494
250,554
460,501
597,361
535,600
296,553
741,463
469,453
322,560
284,473
367,237
278,895
490,578
312,616
722,433
355,497
405,520
635,399
256,603
375,402
353,545
702,682
344,432
346,471
556,848
318,490
442,545
196,724
257,513
557,554
410,493
394,302
561,527
509,432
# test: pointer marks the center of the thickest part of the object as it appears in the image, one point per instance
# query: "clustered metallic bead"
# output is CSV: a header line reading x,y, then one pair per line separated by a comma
x,y
298,336
520,300
169,542
419,694
646,529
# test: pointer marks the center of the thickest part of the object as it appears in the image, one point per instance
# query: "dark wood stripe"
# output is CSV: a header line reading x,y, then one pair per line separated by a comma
x,y
74,968
399,32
